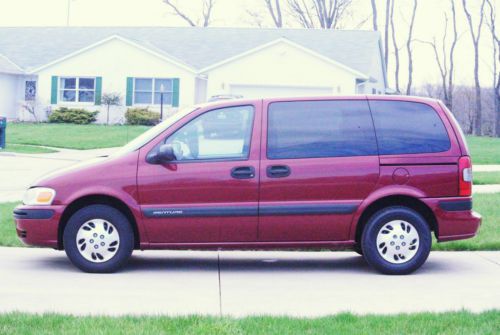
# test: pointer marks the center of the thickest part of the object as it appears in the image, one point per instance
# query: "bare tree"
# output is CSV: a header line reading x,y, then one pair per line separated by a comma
x,y
409,49
275,12
444,57
31,107
110,99
206,13
255,18
452,55
396,48
496,60
325,14
386,33
386,27
374,15
476,35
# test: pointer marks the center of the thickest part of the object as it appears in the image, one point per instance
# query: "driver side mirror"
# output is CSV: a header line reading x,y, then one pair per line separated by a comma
x,y
163,155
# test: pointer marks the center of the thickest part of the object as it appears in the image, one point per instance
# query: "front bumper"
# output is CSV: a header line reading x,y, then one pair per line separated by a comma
x,y
38,225
455,218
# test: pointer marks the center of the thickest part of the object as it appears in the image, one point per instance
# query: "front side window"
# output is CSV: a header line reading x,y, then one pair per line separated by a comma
x,y
223,133
408,128
77,89
148,91
309,129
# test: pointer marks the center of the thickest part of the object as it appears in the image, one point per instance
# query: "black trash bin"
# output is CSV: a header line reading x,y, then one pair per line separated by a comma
x,y
3,129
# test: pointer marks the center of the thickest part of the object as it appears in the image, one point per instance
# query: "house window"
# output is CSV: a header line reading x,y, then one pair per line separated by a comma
x,y
30,90
147,91
77,89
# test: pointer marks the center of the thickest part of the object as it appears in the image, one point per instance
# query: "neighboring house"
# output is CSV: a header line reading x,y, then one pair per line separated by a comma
x,y
74,66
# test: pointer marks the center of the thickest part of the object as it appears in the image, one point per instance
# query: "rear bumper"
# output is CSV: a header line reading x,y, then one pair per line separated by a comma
x,y
455,218
38,225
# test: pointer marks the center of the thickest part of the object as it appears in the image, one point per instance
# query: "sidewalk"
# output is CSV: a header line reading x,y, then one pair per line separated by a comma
x,y
242,283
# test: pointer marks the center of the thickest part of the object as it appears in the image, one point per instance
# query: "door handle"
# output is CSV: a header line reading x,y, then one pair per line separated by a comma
x,y
243,172
278,171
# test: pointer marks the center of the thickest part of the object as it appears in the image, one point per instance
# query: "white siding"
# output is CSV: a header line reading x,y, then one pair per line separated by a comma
x,y
114,61
281,65
8,95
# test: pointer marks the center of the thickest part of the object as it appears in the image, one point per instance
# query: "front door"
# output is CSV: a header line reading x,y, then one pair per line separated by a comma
x,y
209,193
319,161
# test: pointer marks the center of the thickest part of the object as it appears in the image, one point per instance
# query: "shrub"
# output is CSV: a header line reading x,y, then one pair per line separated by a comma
x,y
142,116
72,115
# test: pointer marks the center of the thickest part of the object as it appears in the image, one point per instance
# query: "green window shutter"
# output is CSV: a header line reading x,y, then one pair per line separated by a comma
x,y
98,90
53,92
130,87
175,92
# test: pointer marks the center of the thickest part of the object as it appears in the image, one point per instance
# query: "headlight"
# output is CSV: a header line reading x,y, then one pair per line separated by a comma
x,y
39,196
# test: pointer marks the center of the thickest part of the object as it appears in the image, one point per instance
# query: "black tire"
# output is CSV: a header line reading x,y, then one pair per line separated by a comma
x,y
357,249
377,222
110,214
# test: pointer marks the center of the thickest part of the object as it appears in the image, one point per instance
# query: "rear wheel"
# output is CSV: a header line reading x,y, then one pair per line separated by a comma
x,y
98,238
396,240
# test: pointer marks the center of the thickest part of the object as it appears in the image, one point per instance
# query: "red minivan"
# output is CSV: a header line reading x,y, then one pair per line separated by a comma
x,y
377,174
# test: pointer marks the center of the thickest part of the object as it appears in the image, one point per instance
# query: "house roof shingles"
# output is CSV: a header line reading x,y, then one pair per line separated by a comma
x,y
32,47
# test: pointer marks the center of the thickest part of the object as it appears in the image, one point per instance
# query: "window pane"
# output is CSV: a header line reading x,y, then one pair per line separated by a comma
x,y
68,95
143,84
307,129
68,83
86,83
167,85
167,98
218,134
408,128
30,90
142,98
86,96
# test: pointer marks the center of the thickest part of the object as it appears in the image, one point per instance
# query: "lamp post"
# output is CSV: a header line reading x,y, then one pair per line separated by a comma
x,y
162,90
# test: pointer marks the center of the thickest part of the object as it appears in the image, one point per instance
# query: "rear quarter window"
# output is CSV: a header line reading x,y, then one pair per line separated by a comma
x,y
312,129
404,127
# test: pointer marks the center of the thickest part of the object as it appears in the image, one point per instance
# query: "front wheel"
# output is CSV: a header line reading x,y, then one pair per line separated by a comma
x,y
396,240
99,239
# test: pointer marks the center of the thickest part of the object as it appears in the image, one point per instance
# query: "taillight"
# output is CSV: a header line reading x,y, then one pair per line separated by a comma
x,y
465,176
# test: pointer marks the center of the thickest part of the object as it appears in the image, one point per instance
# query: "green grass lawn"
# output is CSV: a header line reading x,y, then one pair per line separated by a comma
x,y
8,235
71,136
486,178
484,150
487,239
460,323
26,149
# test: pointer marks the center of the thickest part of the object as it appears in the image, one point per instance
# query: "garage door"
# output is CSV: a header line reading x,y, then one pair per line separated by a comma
x,y
266,91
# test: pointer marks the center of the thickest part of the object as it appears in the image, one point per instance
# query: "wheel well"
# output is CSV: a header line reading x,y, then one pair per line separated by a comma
x,y
397,200
95,200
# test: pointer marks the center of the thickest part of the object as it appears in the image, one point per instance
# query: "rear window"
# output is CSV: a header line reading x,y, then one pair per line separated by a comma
x,y
408,128
307,129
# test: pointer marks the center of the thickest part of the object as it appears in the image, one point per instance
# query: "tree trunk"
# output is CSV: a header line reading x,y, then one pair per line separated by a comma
x,y
374,15
409,50
396,49
386,33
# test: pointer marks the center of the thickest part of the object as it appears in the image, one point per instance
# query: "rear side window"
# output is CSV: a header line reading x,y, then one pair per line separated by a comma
x,y
408,128
307,129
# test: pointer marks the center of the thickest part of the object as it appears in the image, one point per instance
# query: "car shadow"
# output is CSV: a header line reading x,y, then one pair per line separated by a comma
x,y
245,263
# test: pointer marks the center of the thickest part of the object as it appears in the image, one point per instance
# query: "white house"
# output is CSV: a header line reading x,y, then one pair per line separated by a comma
x,y
74,67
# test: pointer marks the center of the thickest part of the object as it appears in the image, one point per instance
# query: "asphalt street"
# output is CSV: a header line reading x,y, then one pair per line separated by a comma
x,y
246,283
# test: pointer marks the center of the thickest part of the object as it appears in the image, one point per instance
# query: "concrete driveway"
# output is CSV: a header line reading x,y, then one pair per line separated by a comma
x,y
246,283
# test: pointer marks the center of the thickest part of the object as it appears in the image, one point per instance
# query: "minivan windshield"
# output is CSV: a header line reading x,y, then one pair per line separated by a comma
x,y
150,134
